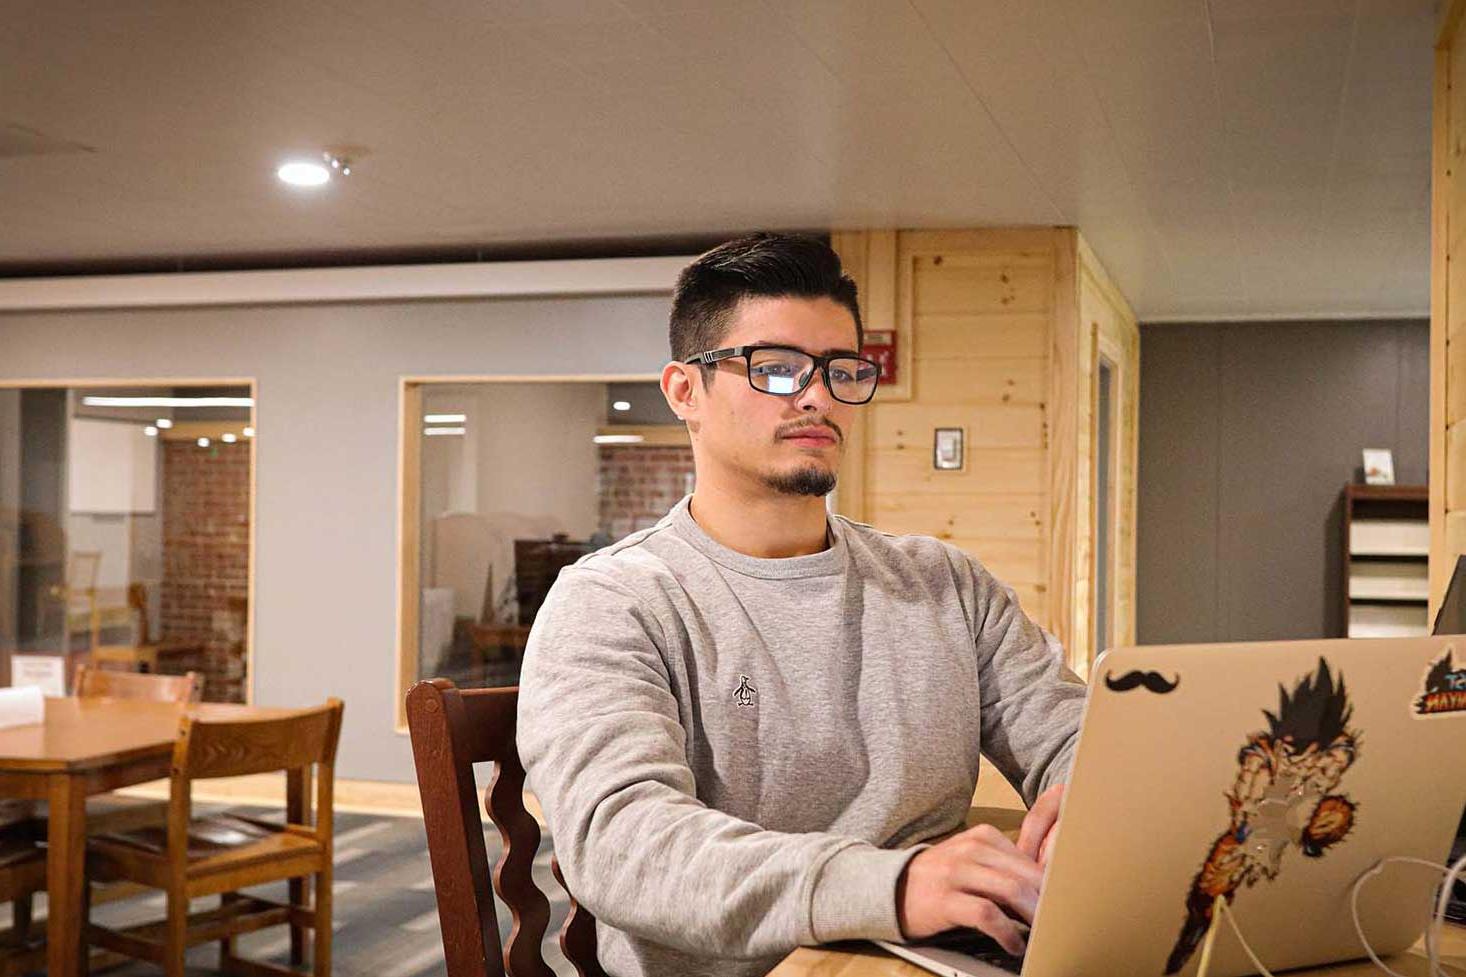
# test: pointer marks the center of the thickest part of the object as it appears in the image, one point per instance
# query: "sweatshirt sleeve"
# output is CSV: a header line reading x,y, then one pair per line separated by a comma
x,y
1030,702
605,753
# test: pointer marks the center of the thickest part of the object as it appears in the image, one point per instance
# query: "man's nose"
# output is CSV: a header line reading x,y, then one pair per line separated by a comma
x,y
816,394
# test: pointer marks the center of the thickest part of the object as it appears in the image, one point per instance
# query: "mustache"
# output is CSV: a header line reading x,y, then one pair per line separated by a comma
x,y
797,426
1153,681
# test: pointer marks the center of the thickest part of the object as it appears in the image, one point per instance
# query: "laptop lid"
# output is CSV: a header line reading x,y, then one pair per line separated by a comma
x,y
1450,618
1276,772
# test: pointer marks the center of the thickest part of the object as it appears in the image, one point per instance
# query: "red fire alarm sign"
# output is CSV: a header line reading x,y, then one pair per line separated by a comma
x,y
880,345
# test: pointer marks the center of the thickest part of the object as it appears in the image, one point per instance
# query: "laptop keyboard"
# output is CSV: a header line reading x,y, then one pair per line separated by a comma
x,y
978,945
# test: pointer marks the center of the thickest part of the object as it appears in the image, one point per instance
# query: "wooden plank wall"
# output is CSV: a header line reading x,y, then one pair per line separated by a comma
x,y
976,309
1447,324
997,332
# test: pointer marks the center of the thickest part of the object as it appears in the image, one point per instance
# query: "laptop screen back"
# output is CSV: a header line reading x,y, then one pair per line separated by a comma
x,y
1451,619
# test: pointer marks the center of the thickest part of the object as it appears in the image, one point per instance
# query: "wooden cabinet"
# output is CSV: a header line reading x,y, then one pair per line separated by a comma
x,y
1018,338
1386,556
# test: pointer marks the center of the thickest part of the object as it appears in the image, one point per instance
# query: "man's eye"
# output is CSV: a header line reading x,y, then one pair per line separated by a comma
x,y
841,376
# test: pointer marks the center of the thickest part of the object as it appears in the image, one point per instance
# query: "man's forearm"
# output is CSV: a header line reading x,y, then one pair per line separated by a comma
x,y
651,860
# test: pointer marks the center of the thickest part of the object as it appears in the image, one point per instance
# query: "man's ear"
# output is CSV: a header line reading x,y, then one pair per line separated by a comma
x,y
682,386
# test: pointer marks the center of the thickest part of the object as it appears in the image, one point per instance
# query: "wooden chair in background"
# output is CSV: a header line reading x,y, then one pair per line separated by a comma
x,y
97,683
22,874
78,596
80,612
451,730
139,656
118,812
192,858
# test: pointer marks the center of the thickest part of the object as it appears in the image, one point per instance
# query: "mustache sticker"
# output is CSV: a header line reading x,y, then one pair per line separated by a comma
x,y
1153,681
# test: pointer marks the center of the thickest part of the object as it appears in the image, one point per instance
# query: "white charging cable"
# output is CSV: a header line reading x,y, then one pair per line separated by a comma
x,y
1221,908
1437,918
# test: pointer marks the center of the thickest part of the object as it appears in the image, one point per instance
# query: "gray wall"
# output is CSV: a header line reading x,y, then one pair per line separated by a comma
x,y
326,477
1248,433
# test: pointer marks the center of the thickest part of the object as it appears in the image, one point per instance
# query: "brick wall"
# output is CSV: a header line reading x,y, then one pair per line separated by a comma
x,y
639,483
206,561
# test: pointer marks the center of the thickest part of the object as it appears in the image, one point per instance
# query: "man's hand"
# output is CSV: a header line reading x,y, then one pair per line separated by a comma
x,y
978,879
1037,833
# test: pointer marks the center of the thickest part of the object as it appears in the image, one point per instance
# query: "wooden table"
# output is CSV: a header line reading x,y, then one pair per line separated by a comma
x,y
86,746
866,960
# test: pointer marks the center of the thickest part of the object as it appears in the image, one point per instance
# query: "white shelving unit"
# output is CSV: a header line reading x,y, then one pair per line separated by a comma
x,y
1387,545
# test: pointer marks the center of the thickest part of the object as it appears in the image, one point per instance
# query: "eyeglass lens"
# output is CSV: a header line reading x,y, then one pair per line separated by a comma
x,y
787,371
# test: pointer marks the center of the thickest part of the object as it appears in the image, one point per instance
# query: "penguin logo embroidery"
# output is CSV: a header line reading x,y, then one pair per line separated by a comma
x,y
745,695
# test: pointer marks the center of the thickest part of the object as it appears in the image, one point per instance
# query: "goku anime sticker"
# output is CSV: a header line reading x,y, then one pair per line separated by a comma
x,y
1286,794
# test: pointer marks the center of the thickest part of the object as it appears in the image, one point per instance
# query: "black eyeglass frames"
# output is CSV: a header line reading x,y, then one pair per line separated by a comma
x,y
784,371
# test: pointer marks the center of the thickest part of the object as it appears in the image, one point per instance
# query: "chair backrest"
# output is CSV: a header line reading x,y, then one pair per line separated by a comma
x,y
209,748
300,743
99,683
452,729
81,570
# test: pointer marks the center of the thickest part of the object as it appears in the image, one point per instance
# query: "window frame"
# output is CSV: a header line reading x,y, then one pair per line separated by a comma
x,y
252,384
409,508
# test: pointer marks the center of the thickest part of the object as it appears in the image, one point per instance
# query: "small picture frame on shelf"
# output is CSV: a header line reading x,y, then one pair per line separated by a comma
x,y
1379,466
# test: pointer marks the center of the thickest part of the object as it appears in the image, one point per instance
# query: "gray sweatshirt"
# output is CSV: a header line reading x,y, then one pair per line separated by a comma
x,y
735,755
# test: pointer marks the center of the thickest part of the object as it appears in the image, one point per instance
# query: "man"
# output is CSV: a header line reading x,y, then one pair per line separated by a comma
x,y
743,722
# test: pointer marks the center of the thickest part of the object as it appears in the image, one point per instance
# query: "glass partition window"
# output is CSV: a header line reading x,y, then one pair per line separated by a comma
x,y
125,533
513,482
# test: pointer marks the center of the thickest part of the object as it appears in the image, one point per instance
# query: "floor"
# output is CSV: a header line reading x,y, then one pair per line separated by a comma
x,y
386,918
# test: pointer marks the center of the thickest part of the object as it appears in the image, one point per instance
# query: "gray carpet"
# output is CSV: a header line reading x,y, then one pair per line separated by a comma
x,y
385,913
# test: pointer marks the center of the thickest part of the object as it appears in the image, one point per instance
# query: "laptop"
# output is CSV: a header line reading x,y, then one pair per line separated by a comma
x,y
1338,753
1451,619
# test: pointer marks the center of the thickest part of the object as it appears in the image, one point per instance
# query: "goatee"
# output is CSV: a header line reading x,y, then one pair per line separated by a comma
x,y
803,481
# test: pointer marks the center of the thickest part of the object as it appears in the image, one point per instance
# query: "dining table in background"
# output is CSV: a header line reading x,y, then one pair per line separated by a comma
x,y
85,747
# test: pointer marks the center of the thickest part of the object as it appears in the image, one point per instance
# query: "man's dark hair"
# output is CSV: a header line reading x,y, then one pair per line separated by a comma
x,y
762,265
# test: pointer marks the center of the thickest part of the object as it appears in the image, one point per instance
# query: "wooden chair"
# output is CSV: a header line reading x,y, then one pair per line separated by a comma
x,y
142,654
78,595
453,729
96,683
111,812
192,858
22,874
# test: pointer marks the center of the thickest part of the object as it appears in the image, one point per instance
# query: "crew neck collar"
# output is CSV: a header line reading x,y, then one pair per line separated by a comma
x,y
828,561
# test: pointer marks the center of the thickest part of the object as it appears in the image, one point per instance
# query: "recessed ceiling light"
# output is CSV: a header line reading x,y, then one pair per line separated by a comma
x,y
203,442
622,405
163,423
302,174
249,432
229,439
150,431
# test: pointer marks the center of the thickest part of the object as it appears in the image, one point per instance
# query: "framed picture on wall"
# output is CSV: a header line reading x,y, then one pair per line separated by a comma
x,y
1379,466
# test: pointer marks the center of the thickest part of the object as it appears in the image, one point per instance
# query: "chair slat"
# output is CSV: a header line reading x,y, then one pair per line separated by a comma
x,y
513,876
578,935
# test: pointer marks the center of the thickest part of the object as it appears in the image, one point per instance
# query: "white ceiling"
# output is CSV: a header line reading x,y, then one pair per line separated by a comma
x,y
1226,158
